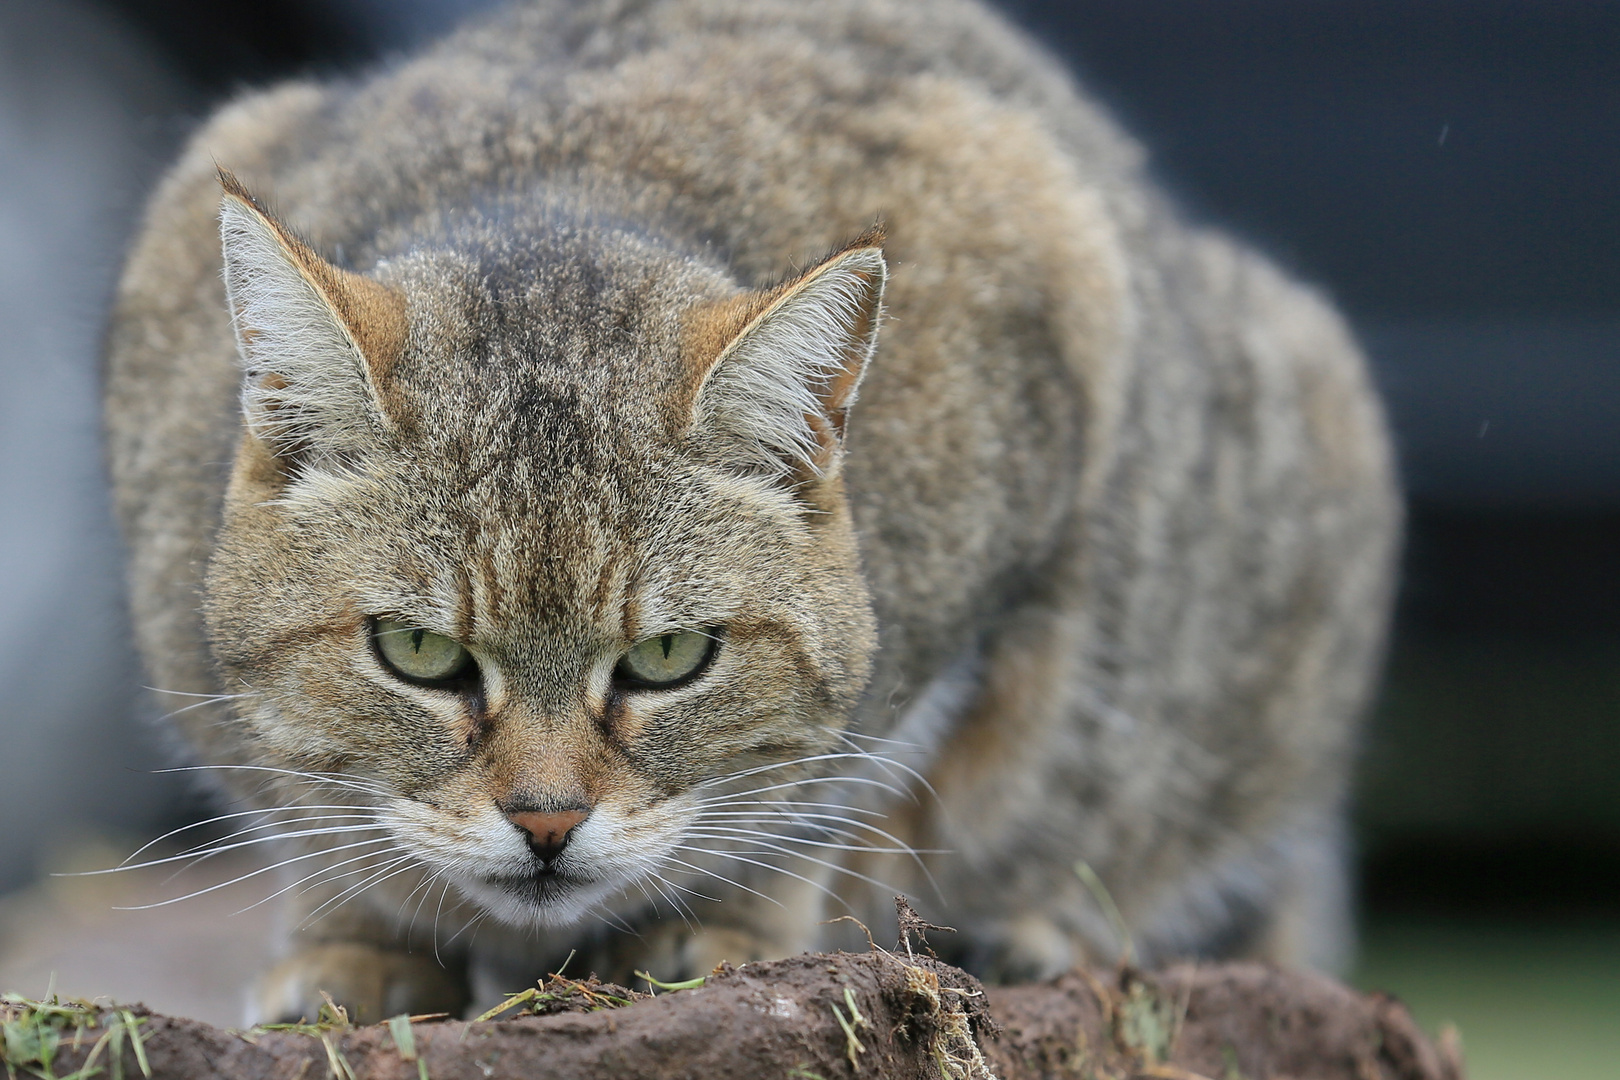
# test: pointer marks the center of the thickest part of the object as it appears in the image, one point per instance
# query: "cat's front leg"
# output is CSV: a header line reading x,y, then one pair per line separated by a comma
x,y
741,928
358,954
370,982
673,953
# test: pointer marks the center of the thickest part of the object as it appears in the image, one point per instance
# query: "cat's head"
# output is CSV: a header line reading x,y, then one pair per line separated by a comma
x,y
538,529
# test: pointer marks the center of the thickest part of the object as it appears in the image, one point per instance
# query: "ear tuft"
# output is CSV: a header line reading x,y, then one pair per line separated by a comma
x,y
779,370
317,343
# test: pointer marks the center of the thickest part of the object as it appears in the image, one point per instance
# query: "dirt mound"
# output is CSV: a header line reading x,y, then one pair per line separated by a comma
x,y
812,1017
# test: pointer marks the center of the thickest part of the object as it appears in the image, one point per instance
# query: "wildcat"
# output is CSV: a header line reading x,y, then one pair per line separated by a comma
x,y
665,474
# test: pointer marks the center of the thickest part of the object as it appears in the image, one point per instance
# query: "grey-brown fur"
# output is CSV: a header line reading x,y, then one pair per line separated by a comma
x,y
1109,546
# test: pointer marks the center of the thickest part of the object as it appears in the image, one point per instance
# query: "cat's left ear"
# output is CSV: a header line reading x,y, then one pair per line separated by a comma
x,y
777,371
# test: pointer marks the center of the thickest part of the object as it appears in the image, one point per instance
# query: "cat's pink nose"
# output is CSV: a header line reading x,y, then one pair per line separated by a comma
x,y
548,832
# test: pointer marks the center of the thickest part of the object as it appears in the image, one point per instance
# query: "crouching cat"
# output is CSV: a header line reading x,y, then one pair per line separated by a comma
x,y
508,485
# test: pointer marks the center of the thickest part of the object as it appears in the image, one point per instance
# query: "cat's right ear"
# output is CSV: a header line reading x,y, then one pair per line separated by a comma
x,y
774,373
317,343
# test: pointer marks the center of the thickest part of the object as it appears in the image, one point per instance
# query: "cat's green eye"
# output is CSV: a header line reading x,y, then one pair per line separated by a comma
x,y
666,660
420,655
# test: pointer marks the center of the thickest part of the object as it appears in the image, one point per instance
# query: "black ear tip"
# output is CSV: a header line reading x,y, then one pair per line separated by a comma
x,y
231,185
235,189
874,237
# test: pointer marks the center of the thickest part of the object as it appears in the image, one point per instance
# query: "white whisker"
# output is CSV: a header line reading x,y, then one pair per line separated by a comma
x,y
788,764
641,886
786,784
320,876
210,697
200,705
477,918
426,889
768,866
775,848
226,817
848,735
709,808
890,766
379,874
255,873
197,856
610,920
689,892
203,850
813,821
694,868
647,894
356,783
860,842
682,908
903,849
437,914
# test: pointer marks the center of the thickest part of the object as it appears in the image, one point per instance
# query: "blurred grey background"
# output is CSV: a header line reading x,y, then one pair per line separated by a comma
x,y
1448,170
95,99
88,111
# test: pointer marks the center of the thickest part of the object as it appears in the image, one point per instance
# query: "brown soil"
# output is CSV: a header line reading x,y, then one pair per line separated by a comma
x,y
826,1017
1225,1022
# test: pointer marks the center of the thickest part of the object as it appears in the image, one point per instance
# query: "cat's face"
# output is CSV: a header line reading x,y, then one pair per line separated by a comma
x,y
534,580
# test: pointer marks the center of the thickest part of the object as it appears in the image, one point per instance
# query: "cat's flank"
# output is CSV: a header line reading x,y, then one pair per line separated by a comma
x,y
647,478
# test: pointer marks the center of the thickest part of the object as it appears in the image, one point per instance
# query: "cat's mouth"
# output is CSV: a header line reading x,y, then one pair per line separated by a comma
x,y
550,895
546,880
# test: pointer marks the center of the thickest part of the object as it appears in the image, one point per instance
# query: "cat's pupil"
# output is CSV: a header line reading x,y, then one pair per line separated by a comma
x,y
668,640
416,640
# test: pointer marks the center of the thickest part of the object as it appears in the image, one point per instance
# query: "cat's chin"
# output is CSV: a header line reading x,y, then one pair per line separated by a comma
x,y
548,900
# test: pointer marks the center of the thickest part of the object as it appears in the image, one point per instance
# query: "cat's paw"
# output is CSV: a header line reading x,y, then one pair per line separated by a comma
x,y
676,954
372,984
710,947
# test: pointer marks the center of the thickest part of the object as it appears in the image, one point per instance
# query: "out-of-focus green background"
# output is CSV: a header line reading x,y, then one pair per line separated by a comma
x,y
1447,170
1532,999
